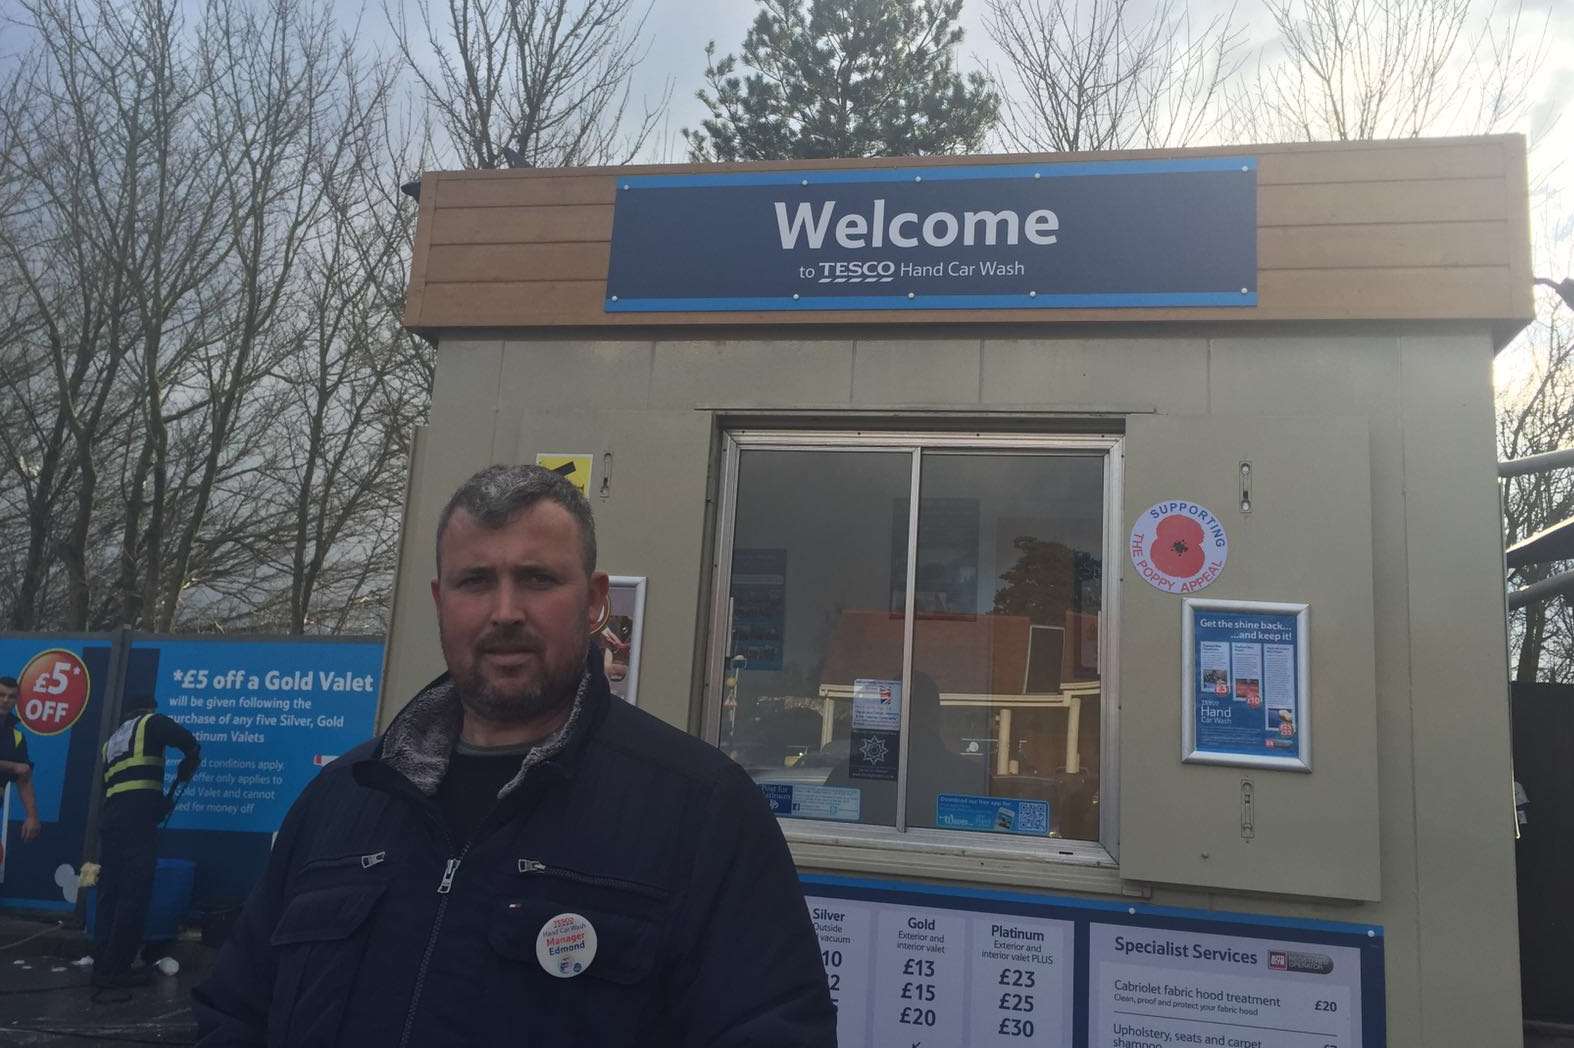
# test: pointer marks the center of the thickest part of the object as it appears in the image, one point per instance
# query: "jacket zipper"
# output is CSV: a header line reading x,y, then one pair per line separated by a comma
x,y
365,862
533,866
444,888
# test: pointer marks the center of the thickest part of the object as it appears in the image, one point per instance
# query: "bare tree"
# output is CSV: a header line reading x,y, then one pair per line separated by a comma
x,y
531,83
1536,415
1364,69
1096,75
115,240
285,104
192,223
353,400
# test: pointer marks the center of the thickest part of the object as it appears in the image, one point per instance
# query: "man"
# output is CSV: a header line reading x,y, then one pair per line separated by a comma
x,y
134,806
15,765
520,859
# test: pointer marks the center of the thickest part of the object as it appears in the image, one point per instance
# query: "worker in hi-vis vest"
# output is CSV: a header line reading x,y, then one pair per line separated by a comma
x,y
15,765
134,807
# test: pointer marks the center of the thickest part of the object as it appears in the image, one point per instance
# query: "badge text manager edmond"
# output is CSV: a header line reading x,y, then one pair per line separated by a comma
x,y
520,858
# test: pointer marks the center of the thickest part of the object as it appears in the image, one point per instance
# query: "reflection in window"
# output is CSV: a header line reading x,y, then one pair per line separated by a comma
x,y
803,552
1003,703
1016,690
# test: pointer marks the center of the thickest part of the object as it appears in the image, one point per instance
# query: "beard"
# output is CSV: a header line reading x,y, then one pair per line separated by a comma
x,y
523,701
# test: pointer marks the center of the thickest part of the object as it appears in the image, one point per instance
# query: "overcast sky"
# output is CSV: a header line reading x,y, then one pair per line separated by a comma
x,y
679,29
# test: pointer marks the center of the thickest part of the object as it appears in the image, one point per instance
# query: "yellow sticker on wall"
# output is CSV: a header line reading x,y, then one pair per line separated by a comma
x,y
575,467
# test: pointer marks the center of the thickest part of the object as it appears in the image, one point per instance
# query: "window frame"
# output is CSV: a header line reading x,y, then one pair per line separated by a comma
x,y
959,849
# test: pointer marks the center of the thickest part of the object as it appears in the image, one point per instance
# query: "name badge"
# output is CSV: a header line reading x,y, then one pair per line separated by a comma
x,y
566,945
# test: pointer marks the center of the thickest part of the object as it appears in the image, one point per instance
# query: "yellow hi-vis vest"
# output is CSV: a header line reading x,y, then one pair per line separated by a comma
x,y
127,763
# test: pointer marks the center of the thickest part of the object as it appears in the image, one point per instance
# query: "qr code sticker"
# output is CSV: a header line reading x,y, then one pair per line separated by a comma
x,y
1033,817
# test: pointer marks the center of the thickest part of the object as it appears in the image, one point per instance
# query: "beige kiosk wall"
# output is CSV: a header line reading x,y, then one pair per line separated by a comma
x,y
1436,656
1405,820
1306,540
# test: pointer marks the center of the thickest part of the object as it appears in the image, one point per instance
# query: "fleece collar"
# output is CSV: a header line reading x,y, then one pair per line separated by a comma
x,y
420,741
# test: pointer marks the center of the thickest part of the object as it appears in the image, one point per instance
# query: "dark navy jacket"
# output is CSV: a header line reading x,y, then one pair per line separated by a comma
x,y
364,932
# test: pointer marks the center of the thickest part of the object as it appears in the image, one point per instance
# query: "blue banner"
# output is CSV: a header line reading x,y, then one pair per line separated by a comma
x,y
268,715
1120,234
1247,685
63,681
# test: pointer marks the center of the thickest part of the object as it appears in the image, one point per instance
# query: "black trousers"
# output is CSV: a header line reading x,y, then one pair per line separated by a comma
x,y
128,855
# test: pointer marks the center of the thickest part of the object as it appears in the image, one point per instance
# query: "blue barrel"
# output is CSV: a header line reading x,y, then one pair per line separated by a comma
x,y
171,898
170,901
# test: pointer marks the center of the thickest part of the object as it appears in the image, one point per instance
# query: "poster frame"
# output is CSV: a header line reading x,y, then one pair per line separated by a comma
x,y
637,584
1191,751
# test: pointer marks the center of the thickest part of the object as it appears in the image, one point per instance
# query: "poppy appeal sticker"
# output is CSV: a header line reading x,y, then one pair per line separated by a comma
x,y
1178,546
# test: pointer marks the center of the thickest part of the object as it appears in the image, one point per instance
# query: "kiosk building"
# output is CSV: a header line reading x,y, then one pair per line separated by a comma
x,y
1115,530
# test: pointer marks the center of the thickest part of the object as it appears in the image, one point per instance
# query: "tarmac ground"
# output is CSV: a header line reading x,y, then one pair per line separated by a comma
x,y
45,1000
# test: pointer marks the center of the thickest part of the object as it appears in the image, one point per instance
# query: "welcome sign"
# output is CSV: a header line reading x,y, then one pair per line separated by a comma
x,y
1121,234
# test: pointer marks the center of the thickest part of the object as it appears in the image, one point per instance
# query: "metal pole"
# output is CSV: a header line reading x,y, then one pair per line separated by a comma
x,y
904,738
1560,584
108,718
1559,459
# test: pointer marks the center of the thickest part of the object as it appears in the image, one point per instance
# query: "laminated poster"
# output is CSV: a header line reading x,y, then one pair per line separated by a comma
x,y
875,747
1246,686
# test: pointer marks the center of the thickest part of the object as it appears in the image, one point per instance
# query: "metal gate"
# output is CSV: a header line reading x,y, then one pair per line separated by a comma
x,y
1544,765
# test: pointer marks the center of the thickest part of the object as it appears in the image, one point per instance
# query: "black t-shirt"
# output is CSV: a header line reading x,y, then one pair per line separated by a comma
x,y
469,789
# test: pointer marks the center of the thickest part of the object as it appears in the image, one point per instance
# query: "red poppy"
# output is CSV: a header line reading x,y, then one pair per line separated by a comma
x,y
1177,547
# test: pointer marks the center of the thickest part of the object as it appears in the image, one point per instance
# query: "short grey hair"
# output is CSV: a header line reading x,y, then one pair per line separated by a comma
x,y
497,494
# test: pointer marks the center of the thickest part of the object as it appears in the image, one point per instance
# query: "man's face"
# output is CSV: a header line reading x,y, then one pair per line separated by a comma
x,y
514,611
7,699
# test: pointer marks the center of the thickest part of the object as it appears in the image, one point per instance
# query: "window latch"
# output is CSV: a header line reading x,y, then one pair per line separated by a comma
x,y
1248,829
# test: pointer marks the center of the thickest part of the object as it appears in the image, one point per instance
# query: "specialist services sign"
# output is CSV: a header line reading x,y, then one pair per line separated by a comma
x,y
1107,235
918,964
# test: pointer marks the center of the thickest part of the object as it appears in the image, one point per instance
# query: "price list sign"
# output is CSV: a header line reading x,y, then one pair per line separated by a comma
x,y
846,935
925,966
1021,981
920,965
921,975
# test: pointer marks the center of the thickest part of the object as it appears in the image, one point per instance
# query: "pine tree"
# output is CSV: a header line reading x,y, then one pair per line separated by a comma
x,y
1048,580
846,78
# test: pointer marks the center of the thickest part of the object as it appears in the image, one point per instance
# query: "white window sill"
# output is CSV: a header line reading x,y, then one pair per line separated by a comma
x,y
1079,866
